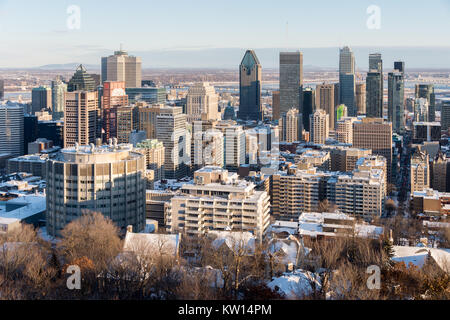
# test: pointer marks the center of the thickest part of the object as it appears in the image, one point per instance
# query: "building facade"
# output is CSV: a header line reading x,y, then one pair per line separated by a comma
x,y
108,179
250,72
122,67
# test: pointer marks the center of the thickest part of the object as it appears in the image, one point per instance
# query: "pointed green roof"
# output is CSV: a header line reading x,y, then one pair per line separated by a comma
x,y
250,59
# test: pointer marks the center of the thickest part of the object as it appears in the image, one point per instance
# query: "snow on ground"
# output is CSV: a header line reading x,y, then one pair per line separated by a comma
x,y
295,285
418,255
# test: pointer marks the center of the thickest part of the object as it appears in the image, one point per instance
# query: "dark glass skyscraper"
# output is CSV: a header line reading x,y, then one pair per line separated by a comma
x,y
2,89
250,88
374,86
374,97
81,81
308,106
291,80
396,97
347,80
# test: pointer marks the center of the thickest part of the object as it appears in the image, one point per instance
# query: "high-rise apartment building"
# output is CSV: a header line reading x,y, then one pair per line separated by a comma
x,y
250,72
291,126
11,129
122,67
320,127
202,103
361,98
154,156
59,90
207,148
347,80
325,101
344,159
291,81
108,179
218,200
171,131
396,100
420,171
41,98
360,193
426,91
344,130
80,118
376,135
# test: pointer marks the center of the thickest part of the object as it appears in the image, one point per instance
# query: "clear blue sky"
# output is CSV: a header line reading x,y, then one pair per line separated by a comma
x,y
35,33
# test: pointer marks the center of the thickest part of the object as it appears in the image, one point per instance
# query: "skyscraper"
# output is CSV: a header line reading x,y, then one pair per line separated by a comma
x,y
291,80
420,171
291,125
374,97
81,81
325,101
202,103
347,79
374,86
41,98
171,131
250,107
11,129
426,91
59,90
122,67
308,106
80,118
319,124
375,62
396,100
445,115
2,89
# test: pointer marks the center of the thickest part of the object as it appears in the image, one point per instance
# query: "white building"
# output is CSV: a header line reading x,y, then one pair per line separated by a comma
x,y
122,67
344,130
202,103
218,200
319,126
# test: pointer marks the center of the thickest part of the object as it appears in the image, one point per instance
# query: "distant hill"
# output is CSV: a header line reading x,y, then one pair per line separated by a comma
x,y
68,66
